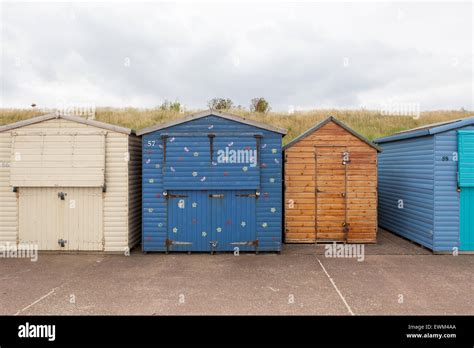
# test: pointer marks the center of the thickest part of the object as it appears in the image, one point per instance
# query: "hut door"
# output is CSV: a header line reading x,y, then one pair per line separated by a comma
x,y
61,218
189,219
331,193
466,184
234,220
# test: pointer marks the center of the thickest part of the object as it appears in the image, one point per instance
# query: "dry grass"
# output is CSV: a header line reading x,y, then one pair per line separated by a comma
x,y
371,124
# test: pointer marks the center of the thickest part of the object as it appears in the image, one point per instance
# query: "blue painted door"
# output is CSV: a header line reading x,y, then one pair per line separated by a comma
x,y
220,220
188,221
467,219
233,220
466,183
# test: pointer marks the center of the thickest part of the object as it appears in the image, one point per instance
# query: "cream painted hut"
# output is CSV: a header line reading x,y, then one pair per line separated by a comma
x,y
68,183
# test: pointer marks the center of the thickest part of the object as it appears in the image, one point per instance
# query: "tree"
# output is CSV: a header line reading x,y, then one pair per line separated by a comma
x,y
171,106
259,105
220,104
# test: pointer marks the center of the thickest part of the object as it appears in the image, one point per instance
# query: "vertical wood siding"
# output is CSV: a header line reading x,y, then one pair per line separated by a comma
x,y
44,218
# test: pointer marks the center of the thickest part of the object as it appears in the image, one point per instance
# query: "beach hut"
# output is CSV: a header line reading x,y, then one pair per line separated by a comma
x,y
69,183
212,181
426,185
330,176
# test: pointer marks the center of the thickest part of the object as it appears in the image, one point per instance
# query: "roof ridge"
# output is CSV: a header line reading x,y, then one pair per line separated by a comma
x,y
339,123
210,112
78,119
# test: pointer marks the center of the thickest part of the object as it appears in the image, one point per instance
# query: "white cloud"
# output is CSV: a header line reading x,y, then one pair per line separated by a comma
x,y
292,54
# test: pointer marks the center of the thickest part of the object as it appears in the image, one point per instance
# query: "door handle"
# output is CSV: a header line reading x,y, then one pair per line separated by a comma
x,y
220,196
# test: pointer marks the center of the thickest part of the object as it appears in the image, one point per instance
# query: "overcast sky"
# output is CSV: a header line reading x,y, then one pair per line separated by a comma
x,y
305,55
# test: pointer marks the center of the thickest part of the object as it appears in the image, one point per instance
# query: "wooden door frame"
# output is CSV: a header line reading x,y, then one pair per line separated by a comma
x,y
344,147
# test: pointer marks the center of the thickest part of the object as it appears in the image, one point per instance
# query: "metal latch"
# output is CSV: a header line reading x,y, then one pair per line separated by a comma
x,y
213,245
345,158
220,196
62,195
62,242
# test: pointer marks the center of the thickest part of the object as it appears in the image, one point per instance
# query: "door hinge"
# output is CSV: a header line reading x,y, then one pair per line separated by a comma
x,y
169,195
169,243
249,195
247,242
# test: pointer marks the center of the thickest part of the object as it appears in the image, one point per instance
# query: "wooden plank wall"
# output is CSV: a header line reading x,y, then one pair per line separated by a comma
x,y
301,174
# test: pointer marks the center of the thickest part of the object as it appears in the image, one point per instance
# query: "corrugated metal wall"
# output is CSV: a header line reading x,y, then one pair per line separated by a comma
x,y
406,176
154,207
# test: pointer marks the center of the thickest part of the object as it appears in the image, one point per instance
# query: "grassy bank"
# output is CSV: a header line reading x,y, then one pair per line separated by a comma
x,y
371,124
